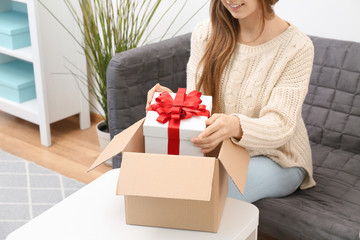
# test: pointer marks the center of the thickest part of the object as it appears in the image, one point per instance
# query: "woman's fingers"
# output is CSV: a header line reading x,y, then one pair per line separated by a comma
x,y
205,136
212,119
211,126
158,88
211,136
151,92
150,95
220,127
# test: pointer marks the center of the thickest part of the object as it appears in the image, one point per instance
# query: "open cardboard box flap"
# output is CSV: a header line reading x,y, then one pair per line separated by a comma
x,y
192,176
166,176
121,142
235,160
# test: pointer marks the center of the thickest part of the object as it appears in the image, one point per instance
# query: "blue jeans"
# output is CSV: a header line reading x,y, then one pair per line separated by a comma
x,y
266,178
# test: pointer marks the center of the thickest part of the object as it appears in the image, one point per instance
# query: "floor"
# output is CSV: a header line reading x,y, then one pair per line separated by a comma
x,y
72,151
27,190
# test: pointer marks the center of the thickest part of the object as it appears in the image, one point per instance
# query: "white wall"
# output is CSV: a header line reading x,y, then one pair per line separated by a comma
x,y
189,8
325,18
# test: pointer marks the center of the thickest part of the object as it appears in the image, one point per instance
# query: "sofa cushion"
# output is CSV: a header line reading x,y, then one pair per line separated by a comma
x,y
331,210
331,111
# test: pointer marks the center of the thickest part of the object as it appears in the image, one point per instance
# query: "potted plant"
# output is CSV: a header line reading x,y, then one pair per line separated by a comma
x,y
109,27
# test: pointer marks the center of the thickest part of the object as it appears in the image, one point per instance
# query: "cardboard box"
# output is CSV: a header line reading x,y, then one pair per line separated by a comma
x,y
185,192
156,134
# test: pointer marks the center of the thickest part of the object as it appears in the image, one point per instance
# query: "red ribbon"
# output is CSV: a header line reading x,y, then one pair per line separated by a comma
x,y
183,107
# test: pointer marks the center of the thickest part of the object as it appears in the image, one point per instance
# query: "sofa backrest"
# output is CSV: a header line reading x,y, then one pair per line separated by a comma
x,y
132,73
332,107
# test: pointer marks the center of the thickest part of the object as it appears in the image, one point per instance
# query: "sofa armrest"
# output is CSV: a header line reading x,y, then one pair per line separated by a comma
x,y
132,73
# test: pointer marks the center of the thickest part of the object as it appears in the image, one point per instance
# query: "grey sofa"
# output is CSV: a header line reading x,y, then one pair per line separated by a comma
x,y
331,111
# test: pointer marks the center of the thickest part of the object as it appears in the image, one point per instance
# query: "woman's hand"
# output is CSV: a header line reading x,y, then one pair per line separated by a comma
x,y
220,127
150,95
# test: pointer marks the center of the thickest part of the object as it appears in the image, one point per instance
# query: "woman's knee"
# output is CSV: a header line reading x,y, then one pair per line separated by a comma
x,y
267,179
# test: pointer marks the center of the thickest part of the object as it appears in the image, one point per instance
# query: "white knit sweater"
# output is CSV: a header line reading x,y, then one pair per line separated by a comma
x,y
265,87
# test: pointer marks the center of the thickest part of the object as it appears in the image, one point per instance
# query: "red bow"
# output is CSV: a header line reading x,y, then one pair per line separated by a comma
x,y
183,107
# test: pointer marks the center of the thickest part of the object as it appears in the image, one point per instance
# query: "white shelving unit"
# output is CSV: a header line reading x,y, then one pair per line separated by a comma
x,y
57,96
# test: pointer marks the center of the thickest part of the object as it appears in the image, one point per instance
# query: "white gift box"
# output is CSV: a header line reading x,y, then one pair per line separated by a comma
x,y
156,134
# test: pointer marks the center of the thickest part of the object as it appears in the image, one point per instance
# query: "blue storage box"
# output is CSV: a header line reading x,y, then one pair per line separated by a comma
x,y
17,81
14,30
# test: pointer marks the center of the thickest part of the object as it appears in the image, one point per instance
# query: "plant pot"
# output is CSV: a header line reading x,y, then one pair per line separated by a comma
x,y
104,138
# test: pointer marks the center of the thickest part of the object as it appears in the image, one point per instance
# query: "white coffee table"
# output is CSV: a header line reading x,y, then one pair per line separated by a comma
x,y
95,212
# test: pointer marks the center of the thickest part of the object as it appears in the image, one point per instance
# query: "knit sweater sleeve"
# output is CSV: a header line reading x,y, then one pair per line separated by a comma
x,y
277,120
199,39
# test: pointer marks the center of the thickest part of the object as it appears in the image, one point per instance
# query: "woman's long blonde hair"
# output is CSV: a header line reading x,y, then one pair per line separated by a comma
x,y
225,30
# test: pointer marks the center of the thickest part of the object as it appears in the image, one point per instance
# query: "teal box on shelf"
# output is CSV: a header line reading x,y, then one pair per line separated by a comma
x,y
14,30
17,81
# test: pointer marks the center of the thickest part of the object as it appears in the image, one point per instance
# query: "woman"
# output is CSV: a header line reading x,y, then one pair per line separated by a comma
x,y
257,68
